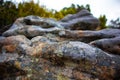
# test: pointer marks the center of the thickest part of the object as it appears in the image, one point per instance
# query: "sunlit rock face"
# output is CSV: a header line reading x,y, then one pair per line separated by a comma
x,y
43,48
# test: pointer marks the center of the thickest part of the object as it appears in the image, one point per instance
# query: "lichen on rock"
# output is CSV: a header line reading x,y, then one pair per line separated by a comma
x,y
44,48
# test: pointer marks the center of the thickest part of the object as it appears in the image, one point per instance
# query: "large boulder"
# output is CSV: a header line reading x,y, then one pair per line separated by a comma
x,y
78,55
82,20
32,26
47,50
84,57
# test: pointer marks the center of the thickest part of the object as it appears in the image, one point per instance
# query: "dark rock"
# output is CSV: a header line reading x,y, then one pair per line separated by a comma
x,y
83,20
4,28
9,66
82,13
110,45
43,22
39,26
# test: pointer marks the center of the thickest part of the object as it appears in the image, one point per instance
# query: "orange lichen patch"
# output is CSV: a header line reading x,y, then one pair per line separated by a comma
x,y
107,73
81,76
10,48
38,49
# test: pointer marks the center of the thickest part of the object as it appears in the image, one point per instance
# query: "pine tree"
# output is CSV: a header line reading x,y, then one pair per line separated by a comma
x,y
103,21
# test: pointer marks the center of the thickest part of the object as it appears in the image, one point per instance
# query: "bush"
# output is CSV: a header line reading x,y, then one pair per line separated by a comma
x,y
103,21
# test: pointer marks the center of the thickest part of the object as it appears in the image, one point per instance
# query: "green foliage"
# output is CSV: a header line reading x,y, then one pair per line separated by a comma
x,y
31,8
103,21
8,13
88,7
69,10
58,15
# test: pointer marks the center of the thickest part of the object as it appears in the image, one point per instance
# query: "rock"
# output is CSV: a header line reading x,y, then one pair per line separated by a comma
x,y
15,40
11,44
43,22
83,20
82,13
39,26
4,28
49,49
24,49
71,49
30,31
85,56
38,39
33,24
106,39
109,45
81,76
9,66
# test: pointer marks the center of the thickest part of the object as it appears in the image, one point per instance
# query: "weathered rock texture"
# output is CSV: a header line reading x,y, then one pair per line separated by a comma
x,y
83,20
31,26
57,50
106,39
61,53
9,66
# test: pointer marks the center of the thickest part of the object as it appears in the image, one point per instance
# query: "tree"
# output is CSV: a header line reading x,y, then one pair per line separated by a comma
x,y
103,21
88,7
71,10
115,23
58,15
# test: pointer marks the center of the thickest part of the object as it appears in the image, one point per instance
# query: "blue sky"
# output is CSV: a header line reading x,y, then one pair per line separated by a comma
x,y
98,7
